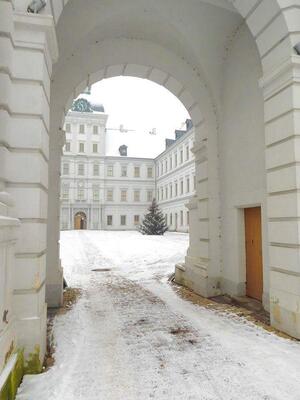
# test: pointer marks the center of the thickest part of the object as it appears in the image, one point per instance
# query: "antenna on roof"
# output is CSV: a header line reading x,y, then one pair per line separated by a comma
x,y
121,129
153,131
87,90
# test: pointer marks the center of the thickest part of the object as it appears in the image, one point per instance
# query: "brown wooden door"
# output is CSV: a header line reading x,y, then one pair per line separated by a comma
x,y
77,221
254,267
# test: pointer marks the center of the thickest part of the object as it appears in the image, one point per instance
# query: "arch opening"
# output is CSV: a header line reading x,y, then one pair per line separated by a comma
x,y
117,157
80,220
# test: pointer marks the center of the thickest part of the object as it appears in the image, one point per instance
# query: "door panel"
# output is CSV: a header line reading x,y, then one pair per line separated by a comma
x,y
254,267
77,221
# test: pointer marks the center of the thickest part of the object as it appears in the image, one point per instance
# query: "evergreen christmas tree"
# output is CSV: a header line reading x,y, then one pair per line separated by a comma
x,y
154,222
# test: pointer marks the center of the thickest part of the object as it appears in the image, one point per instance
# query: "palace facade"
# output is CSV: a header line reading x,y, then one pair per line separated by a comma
x,y
99,191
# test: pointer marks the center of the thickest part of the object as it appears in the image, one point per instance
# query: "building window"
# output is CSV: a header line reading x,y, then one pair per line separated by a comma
x,y
136,220
171,162
187,217
181,218
176,189
157,170
124,170
161,193
96,169
187,155
110,170
136,172
68,146
161,168
81,147
166,166
181,156
157,194
80,194
66,168
68,128
109,220
81,128
81,169
95,130
150,195
136,195
166,218
123,220
194,182
149,172
65,192
176,161
123,195
171,219
109,195
187,185
95,148
96,194
181,187
166,192
171,190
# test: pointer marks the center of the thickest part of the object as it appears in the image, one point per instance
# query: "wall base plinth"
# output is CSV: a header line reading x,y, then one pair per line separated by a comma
x,y
32,336
285,320
194,276
11,376
54,290
285,303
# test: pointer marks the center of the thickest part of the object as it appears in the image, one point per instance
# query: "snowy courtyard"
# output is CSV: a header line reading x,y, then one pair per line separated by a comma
x,y
130,336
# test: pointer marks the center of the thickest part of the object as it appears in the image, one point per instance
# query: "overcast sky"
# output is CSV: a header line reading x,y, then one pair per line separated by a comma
x,y
140,105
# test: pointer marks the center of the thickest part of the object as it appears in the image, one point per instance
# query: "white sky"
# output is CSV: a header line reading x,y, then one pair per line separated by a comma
x,y
141,105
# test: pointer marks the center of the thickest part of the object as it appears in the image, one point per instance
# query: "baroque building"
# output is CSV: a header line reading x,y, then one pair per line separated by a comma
x,y
113,192
175,182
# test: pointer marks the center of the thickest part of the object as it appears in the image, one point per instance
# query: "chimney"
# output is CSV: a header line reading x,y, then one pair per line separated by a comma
x,y
179,133
123,150
188,124
169,142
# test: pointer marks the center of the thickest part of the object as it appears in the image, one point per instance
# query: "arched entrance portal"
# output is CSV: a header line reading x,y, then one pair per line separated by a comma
x,y
241,88
80,220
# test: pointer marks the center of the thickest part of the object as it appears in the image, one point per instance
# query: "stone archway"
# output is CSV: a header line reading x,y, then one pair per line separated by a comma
x,y
165,47
80,220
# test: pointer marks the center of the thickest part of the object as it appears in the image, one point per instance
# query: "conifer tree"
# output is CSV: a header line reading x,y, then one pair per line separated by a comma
x,y
154,222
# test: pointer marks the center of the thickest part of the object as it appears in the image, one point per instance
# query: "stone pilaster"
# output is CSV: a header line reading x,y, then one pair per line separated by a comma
x,y
8,238
282,137
201,270
28,48
54,274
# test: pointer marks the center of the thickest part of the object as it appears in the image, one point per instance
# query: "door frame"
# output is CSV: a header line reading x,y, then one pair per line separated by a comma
x,y
241,250
83,220
261,256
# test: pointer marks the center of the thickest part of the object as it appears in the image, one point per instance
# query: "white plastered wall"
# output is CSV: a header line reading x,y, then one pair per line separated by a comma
x,y
242,160
171,56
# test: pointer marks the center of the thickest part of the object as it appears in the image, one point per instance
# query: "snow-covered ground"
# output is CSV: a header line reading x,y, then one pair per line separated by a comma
x,y
130,337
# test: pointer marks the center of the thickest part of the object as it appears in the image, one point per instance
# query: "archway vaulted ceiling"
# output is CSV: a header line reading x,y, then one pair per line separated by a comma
x,y
197,33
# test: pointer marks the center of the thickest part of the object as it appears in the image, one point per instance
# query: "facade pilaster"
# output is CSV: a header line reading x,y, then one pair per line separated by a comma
x,y
28,46
54,274
281,87
8,238
201,270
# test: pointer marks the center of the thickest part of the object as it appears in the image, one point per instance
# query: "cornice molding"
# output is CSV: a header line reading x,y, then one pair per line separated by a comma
x,y
36,23
280,77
